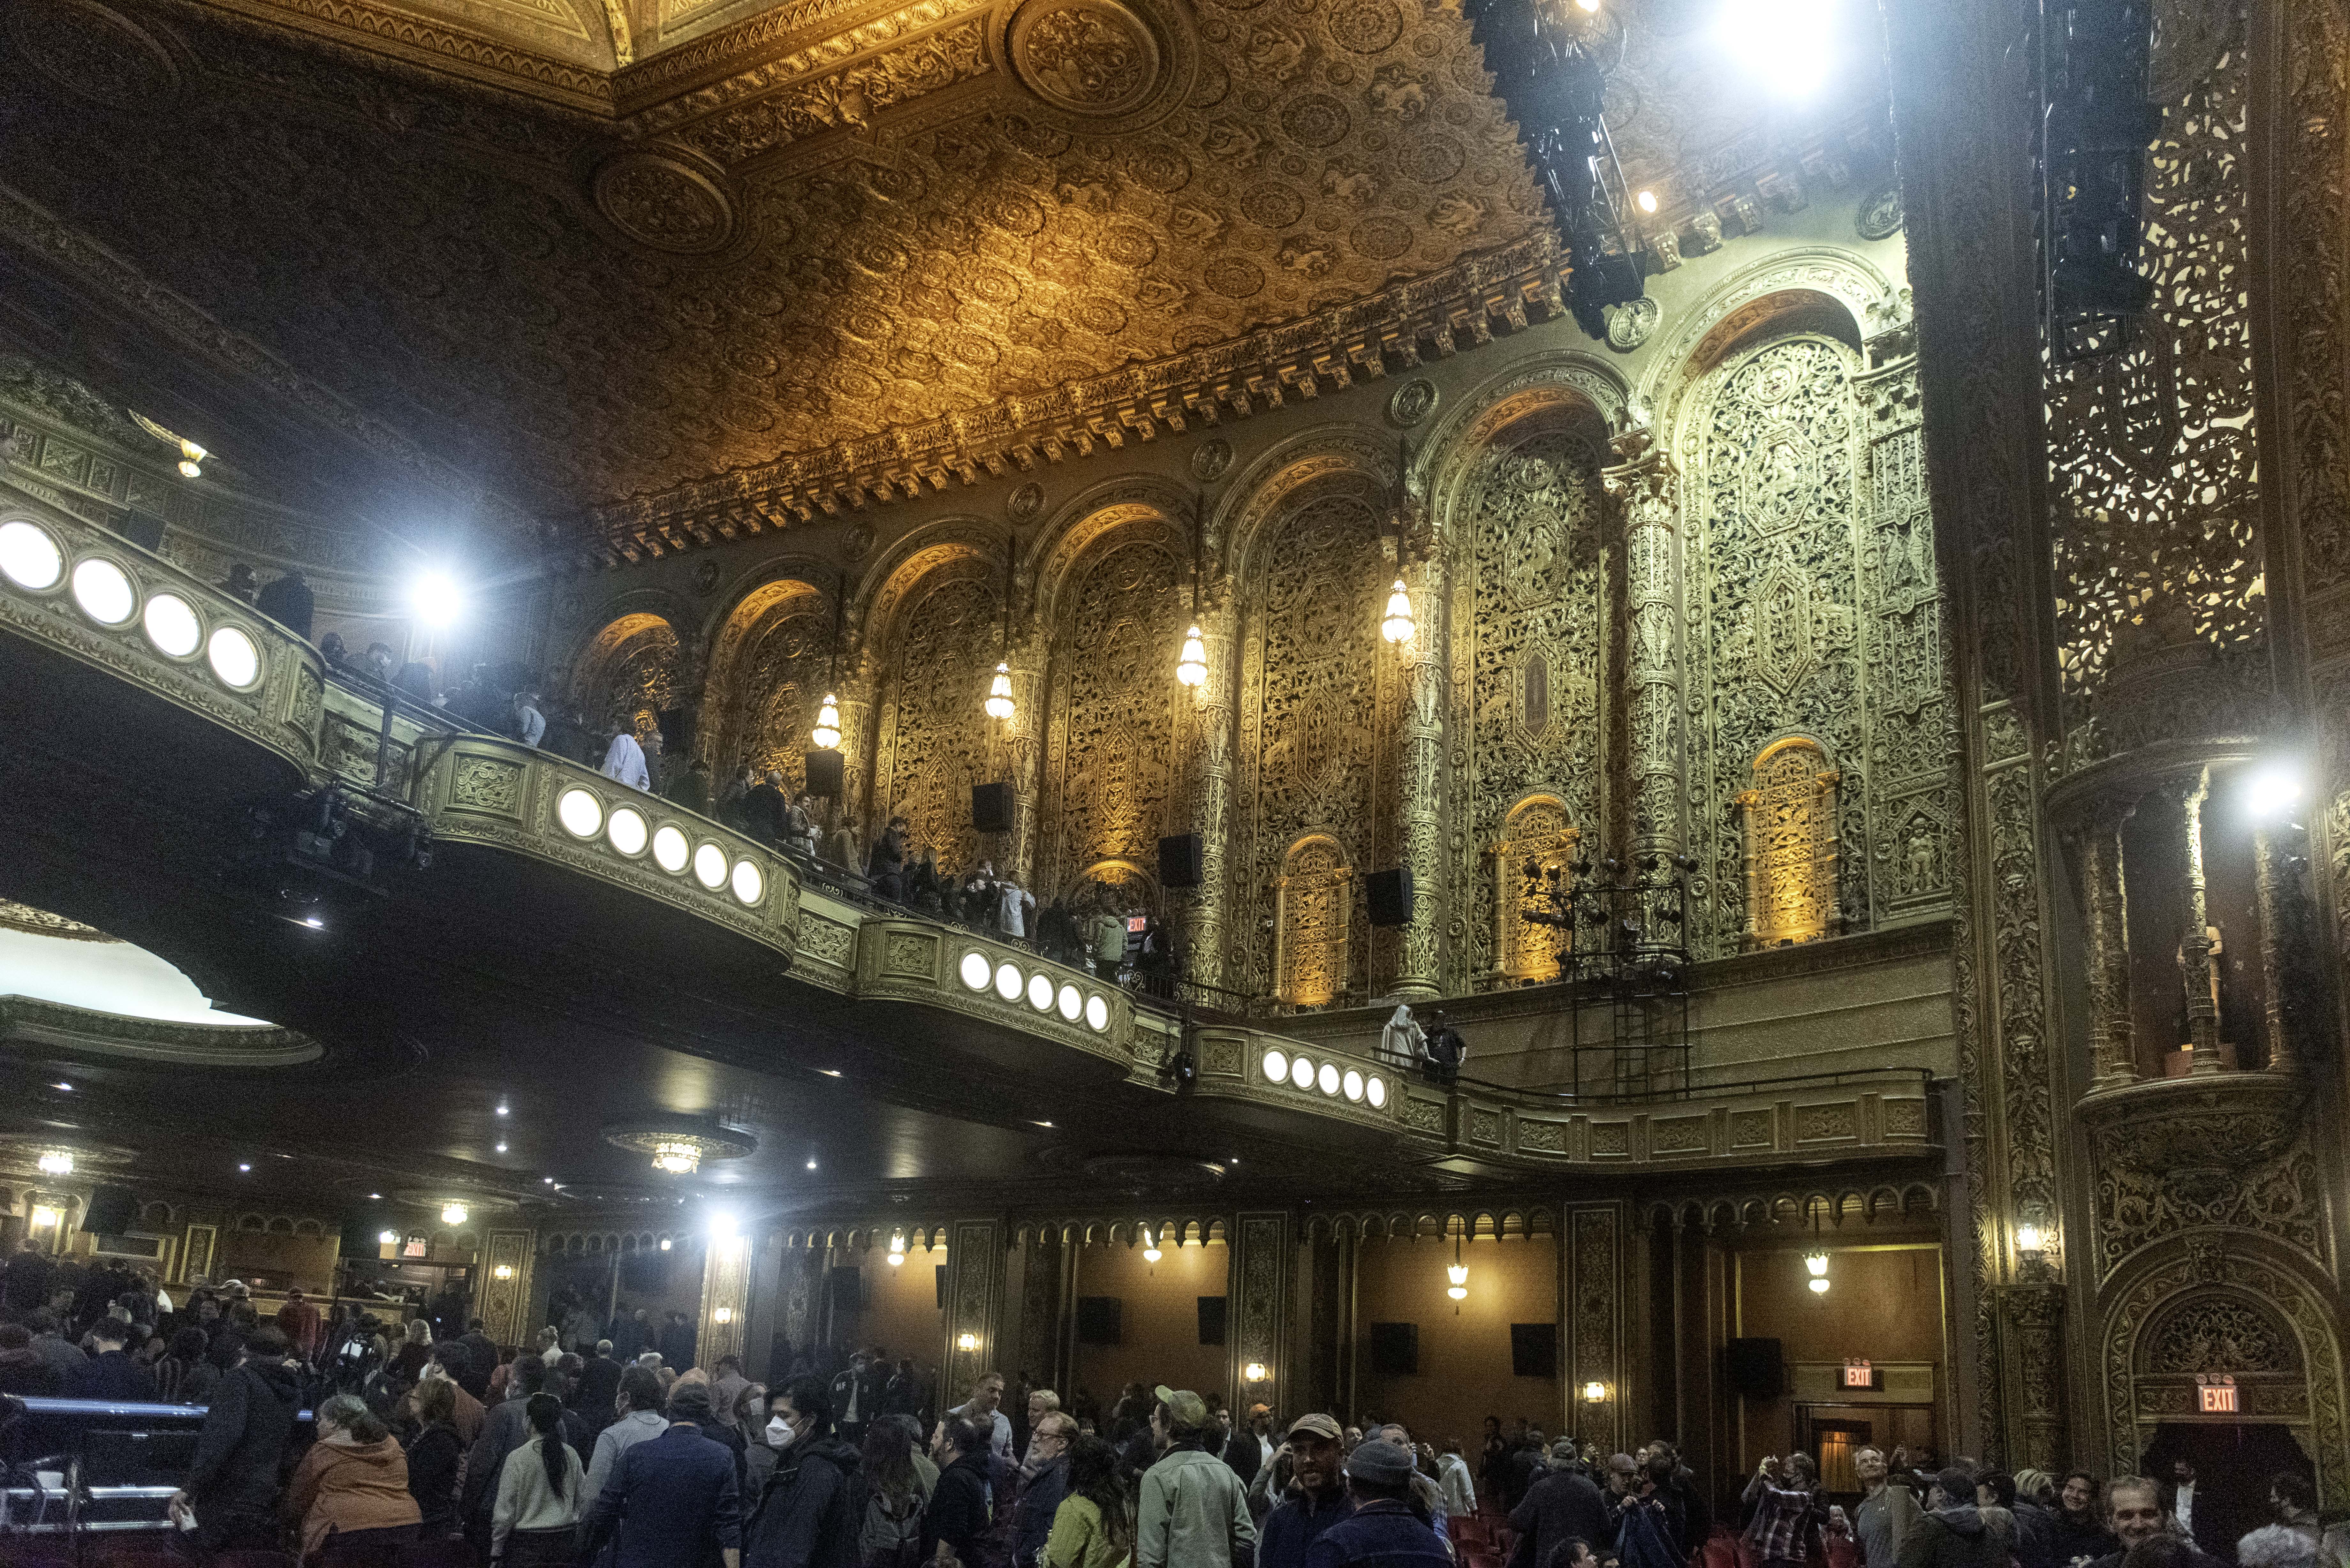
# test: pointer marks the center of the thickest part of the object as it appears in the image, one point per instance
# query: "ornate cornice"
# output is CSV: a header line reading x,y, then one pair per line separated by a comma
x,y
377,31
1432,317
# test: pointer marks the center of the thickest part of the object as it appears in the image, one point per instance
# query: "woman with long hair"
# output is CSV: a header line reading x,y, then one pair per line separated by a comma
x,y
1095,1525
540,1494
895,1495
413,1353
434,1455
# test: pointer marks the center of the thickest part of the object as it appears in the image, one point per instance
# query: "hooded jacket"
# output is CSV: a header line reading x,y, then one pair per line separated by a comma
x,y
344,1487
809,1513
244,1438
1958,1537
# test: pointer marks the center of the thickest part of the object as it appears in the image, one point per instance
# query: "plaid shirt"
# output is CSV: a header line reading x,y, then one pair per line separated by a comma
x,y
1782,1521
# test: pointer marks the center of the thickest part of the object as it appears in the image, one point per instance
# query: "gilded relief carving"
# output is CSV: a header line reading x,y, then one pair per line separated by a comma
x,y
629,674
932,747
1790,817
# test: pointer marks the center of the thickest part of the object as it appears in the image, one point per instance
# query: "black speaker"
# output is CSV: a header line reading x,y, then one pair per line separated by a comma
x,y
1395,1348
1182,861
1391,894
1101,1320
828,775
112,1210
847,1283
1211,1319
360,1233
1533,1350
991,808
1756,1367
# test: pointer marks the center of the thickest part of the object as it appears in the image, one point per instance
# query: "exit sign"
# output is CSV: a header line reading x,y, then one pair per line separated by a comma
x,y
1859,1375
2215,1394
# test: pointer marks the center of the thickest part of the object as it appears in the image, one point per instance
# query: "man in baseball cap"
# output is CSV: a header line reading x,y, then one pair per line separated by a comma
x,y
1383,1528
1194,1511
1317,1496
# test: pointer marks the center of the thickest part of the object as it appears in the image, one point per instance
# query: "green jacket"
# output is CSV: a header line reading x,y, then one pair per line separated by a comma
x,y
1193,1514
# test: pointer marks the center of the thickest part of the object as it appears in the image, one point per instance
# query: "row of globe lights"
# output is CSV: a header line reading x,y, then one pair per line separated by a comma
x,y
1300,1072
32,558
581,812
978,972
1190,670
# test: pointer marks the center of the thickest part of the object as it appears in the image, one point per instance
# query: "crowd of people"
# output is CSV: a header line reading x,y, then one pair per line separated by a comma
x,y
635,1455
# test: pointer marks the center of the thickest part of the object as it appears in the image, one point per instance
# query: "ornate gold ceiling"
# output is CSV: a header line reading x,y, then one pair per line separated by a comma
x,y
790,244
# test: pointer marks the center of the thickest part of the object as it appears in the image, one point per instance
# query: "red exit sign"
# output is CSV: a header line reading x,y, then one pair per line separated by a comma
x,y
1859,1375
2215,1394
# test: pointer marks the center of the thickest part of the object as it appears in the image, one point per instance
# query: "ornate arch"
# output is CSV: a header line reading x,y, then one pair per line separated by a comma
x,y
1326,459
1313,899
1859,299
765,658
880,596
1138,500
2278,1329
934,619
1572,389
633,666
1539,831
1789,817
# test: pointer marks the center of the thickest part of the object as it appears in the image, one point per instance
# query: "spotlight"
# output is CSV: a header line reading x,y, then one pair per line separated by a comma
x,y
61,1084
435,598
502,1108
1044,1123
502,1148
1645,201
548,1179
375,1197
2272,791
722,1224
665,1244
966,1341
245,1165
811,1165
315,923
1787,43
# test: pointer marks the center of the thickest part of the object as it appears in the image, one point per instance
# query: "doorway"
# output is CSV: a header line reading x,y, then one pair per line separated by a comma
x,y
1831,1434
2233,1462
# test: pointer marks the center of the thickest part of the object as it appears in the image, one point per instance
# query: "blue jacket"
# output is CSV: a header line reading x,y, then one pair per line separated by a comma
x,y
673,1501
1039,1501
1290,1530
110,1376
1380,1534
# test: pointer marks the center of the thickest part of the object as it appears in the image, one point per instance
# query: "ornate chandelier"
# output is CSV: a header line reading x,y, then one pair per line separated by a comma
x,y
58,1162
452,1214
999,693
678,1158
1397,625
1192,667
827,734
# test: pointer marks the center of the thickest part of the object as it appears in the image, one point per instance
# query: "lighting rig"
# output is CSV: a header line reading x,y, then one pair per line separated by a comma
x,y
1626,949
1546,68
2095,127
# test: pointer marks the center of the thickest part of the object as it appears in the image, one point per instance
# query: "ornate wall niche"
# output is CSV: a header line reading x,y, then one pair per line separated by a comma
x,y
1313,903
1789,819
1822,286
940,641
1522,517
1538,838
768,667
628,672
1114,725
1317,710
2217,1305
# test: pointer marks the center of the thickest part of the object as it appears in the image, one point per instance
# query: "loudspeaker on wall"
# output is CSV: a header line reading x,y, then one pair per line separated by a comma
x,y
111,1211
1182,861
828,775
991,807
1390,895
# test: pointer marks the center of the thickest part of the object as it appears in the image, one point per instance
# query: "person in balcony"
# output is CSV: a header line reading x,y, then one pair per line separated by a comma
x,y
889,865
690,786
624,759
529,725
289,601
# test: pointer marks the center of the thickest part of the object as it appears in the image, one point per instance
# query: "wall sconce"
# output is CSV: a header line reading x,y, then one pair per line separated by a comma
x,y
827,734
452,1214
43,1215
1191,665
1149,1247
966,1341
2031,1241
665,1244
1594,1393
721,1315
1255,1372
897,1250
1816,1265
387,1237
999,693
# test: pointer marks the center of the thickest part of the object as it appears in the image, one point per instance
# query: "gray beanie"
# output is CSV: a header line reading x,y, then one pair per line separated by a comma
x,y
1380,1463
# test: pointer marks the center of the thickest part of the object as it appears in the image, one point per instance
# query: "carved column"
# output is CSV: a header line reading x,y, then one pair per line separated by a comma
x,y
1425,685
505,1297
856,692
2269,876
2197,972
2113,1048
1210,789
975,1289
725,1299
1643,487
1262,1268
2032,1314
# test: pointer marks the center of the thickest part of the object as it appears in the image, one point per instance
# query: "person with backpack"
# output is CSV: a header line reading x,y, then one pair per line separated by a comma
x,y
807,1516
897,1489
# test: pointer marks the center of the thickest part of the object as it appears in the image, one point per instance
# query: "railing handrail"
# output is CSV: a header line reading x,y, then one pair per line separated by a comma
x,y
1784,1080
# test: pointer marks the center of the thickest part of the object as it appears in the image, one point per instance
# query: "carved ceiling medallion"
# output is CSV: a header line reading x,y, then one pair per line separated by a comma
x,y
1088,57
663,204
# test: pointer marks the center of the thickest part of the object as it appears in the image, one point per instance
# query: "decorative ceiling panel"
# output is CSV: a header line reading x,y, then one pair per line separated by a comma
x,y
940,210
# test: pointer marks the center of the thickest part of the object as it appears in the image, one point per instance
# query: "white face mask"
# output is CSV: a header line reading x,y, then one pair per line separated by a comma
x,y
779,1432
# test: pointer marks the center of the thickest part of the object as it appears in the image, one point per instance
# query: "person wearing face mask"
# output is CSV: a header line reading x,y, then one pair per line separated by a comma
x,y
809,1513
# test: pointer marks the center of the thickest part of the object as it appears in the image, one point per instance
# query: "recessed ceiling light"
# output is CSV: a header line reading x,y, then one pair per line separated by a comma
x,y
1044,1123
245,1165
502,1108
65,1087
375,1197
829,1072
811,1165
502,1148
315,923
548,1179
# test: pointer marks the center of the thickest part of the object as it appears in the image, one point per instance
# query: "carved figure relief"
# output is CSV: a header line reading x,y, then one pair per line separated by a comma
x,y
942,642
1525,665
1114,715
1316,712
628,673
1791,846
